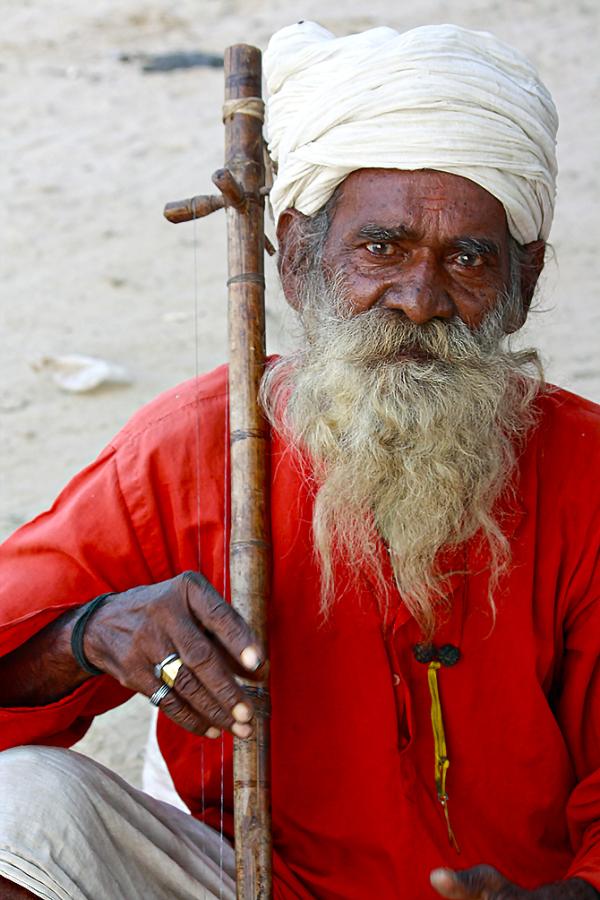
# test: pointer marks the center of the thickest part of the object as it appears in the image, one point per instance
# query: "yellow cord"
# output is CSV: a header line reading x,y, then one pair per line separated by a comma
x,y
439,740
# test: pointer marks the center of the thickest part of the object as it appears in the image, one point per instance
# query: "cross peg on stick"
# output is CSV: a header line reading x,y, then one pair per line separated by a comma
x,y
232,194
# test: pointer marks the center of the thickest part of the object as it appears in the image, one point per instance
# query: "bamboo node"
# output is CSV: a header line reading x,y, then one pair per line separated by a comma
x,y
247,278
242,434
250,544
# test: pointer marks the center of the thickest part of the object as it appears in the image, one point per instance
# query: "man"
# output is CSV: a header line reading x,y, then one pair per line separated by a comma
x,y
435,583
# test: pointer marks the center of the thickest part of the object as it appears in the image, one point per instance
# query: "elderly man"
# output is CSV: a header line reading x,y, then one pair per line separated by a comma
x,y
435,620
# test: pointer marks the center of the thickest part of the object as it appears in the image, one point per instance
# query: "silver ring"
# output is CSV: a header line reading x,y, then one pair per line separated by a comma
x,y
160,694
160,666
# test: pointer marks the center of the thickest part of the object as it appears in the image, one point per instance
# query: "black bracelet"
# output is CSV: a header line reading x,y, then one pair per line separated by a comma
x,y
79,630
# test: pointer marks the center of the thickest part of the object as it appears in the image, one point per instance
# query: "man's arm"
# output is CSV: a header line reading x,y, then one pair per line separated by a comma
x,y
43,670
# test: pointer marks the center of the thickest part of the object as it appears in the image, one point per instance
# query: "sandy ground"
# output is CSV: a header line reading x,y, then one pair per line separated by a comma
x,y
92,147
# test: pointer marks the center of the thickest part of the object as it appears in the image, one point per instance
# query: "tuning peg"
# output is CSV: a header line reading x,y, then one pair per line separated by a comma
x,y
231,189
194,208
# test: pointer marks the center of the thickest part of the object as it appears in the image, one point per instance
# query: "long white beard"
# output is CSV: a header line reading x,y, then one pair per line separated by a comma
x,y
416,449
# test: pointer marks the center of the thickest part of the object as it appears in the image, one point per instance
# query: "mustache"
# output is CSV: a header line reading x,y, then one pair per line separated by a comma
x,y
385,336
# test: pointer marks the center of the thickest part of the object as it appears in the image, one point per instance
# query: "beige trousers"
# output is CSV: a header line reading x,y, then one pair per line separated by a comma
x,y
72,830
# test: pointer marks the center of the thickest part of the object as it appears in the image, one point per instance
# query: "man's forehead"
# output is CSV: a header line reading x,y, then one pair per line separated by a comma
x,y
417,201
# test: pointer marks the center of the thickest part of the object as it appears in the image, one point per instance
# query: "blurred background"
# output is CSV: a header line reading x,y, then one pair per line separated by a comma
x,y
102,123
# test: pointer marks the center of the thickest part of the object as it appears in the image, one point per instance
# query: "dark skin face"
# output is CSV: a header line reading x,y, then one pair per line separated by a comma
x,y
422,243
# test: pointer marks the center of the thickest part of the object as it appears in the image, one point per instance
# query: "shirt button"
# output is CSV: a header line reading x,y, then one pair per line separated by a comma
x,y
396,679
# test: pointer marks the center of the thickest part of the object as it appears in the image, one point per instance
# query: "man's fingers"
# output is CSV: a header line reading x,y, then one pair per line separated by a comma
x,y
222,620
478,883
210,690
206,682
187,717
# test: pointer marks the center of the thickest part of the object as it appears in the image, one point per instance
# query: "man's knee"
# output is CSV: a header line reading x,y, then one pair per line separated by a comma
x,y
46,799
41,785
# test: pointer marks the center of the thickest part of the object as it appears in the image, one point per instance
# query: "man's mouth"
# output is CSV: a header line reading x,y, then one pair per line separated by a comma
x,y
414,354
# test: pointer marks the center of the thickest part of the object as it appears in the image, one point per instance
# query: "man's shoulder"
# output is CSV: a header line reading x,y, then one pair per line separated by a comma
x,y
178,411
569,415
568,435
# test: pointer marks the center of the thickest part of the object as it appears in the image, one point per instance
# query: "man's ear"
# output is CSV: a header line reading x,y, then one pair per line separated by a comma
x,y
291,260
532,263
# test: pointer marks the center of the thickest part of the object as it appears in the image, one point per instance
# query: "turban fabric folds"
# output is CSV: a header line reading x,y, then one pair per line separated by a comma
x,y
437,97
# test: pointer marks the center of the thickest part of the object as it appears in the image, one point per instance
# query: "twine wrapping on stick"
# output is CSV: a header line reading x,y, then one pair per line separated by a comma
x,y
249,106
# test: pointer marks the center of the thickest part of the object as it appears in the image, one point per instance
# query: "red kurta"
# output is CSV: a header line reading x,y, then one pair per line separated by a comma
x,y
355,813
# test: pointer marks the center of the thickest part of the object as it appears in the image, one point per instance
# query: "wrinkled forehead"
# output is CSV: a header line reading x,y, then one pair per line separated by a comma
x,y
425,202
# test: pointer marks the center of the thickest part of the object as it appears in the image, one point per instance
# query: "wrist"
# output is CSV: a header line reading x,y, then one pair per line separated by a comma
x,y
79,645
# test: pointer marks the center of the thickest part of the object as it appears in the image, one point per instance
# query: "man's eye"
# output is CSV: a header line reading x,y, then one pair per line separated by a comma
x,y
468,260
380,248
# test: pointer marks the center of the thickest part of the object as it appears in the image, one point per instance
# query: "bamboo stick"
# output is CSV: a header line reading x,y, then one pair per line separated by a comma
x,y
242,184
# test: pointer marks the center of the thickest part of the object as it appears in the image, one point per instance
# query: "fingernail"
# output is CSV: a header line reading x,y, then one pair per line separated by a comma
x,y
250,658
212,732
241,712
242,731
437,875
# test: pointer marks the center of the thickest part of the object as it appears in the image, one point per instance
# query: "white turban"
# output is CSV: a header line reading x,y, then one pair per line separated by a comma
x,y
437,97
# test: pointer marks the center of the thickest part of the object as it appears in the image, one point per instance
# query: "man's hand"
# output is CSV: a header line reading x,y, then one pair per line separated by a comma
x,y
132,632
486,883
135,630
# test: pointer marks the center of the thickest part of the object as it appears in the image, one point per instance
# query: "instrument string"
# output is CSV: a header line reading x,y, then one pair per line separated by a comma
x,y
225,585
197,430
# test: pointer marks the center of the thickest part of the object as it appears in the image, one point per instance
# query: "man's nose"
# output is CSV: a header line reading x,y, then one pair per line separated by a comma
x,y
420,293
